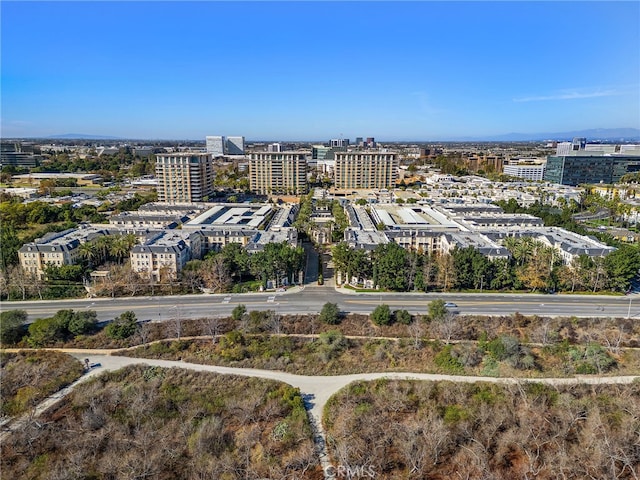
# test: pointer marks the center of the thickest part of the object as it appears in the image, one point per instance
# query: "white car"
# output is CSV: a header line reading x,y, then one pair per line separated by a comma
x,y
450,305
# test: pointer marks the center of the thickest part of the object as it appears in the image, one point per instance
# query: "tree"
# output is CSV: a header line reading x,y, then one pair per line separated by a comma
x,y
446,272
238,312
622,267
12,326
82,322
9,245
330,314
402,316
472,269
43,331
381,315
124,326
120,247
437,310
89,251
236,259
215,274
389,264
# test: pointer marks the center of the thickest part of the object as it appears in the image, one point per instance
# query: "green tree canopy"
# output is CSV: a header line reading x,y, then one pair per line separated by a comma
x,y
381,315
330,314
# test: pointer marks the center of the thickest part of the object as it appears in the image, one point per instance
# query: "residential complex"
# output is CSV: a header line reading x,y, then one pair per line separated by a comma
x,y
365,170
440,228
184,177
278,173
163,255
57,249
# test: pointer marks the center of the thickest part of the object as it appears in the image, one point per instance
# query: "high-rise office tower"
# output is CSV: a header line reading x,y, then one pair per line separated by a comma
x,y
279,173
365,170
184,177
216,145
339,142
234,146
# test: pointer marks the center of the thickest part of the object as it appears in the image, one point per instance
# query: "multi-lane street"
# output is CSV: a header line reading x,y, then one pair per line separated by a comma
x,y
311,298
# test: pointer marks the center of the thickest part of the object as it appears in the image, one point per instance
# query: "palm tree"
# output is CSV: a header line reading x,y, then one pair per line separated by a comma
x,y
121,247
89,251
103,244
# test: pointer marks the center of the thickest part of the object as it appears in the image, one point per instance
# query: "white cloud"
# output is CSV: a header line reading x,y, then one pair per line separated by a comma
x,y
570,95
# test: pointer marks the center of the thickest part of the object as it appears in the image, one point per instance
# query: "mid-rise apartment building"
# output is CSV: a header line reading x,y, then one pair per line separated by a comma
x,y
163,255
56,249
365,170
184,177
278,173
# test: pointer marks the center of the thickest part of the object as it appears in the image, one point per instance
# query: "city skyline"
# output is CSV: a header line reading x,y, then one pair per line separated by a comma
x,y
309,70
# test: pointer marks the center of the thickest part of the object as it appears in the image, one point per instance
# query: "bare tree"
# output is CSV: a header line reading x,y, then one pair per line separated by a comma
x,y
212,326
417,330
215,274
447,327
274,322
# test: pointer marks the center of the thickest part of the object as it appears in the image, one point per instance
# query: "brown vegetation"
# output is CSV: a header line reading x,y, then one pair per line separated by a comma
x,y
28,377
441,430
333,354
613,333
148,422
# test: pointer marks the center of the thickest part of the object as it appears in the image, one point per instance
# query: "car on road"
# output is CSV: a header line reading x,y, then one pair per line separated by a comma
x,y
450,305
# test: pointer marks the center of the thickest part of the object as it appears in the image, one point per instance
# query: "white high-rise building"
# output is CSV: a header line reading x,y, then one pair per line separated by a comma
x,y
235,146
216,145
339,142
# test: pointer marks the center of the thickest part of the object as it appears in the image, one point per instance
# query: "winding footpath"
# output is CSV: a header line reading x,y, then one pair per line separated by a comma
x,y
315,390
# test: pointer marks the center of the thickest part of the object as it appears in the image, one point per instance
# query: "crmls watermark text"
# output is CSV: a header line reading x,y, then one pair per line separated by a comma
x,y
342,471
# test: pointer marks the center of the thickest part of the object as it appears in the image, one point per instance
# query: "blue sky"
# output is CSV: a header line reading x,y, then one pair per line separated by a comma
x,y
318,70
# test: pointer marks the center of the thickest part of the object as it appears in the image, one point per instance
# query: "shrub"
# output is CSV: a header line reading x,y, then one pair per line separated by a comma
x,y
331,344
238,312
43,331
123,326
445,360
381,315
437,310
12,326
330,314
402,316
82,322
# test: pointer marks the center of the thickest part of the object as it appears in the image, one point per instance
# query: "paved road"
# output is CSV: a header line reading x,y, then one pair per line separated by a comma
x,y
310,299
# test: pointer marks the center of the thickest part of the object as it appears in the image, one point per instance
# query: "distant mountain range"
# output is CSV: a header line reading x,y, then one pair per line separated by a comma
x,y
82,136
592,135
